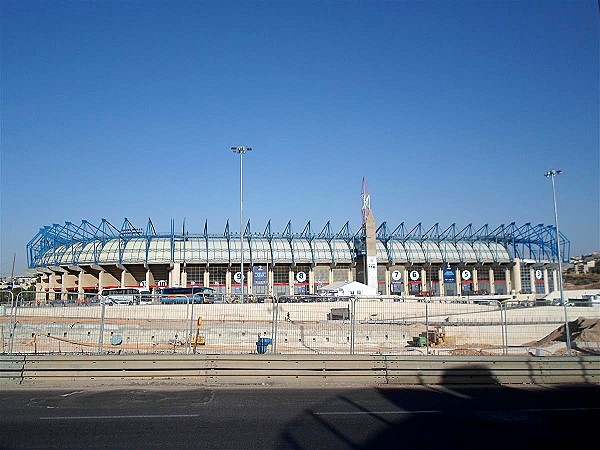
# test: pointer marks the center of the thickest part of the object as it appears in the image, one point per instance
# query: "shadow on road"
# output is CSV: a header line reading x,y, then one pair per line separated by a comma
x,y
463,412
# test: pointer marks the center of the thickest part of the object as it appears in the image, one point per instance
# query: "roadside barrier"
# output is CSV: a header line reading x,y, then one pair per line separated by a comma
x,y
304,370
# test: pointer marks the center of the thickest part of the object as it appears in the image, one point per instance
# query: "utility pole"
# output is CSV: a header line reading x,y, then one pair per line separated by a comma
x,y
552,174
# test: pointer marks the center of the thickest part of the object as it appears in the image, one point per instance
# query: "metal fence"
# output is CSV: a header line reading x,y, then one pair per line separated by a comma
x,y
67,323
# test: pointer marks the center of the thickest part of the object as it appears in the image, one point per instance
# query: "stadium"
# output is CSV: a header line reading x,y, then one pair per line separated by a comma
x,y
422,261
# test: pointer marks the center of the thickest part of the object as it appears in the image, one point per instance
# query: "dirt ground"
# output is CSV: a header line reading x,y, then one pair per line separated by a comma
x,y
584,334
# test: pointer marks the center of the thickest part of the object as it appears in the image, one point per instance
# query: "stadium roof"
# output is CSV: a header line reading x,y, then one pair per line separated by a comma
x,y
83,244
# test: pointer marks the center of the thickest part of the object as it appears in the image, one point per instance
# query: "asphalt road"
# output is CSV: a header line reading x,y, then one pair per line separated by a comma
x,y
172,417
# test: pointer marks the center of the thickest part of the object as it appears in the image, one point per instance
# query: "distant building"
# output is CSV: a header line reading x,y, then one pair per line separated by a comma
x,y
18,282
585,263
434,261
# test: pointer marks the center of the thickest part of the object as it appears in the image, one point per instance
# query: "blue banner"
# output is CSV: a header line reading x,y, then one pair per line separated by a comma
x,y
259,275
450,274
397,287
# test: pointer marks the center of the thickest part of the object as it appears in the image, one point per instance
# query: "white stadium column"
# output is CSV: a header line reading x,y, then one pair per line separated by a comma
x,y
184,280
101,283
63,282
458,278
516,276
80,284
228,281
149,279
387,281
176,274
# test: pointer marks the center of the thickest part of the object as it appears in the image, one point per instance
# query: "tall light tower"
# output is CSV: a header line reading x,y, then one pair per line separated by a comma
x,y
552,174
241,150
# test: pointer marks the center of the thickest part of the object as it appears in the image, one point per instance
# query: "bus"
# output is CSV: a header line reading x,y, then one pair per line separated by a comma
x,y
126,296
195,294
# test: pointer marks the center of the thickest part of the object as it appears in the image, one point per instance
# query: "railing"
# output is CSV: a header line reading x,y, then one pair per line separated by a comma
x,y
73,323
312,370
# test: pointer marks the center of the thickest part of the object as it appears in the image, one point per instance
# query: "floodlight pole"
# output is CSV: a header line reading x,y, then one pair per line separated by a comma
x,y
552,174
241,150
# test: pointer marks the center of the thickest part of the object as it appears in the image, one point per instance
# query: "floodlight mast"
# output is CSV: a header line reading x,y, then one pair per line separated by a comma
x,y
241,150
552,174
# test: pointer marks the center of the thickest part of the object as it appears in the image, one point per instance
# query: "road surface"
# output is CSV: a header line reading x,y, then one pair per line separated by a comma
x,y
263,417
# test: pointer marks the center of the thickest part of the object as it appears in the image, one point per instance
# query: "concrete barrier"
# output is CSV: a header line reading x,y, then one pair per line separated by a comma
x,y
305,370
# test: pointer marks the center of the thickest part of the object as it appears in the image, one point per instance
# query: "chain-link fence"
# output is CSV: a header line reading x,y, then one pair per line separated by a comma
x,y
7,299
549,329
44,324
126,322
388,325
465,328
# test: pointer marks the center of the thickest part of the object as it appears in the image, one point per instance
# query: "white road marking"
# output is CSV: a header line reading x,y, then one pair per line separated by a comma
x,y
321,413
446,390
144,416
557,409
71,393
363,413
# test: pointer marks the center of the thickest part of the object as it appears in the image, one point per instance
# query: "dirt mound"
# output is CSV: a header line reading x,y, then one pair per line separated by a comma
x,y
575,287
469,352
581,330
582,281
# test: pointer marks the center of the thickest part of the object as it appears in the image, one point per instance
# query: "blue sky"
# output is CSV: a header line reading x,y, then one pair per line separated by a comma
x,y
451,110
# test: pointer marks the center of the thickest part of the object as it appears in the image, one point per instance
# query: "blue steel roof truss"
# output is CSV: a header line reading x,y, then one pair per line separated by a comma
x,y
416,234
449,233
538,242
382,232
433,233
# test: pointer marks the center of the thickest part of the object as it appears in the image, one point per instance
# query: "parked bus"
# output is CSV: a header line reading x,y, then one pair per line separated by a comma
x,y
195,294
126,296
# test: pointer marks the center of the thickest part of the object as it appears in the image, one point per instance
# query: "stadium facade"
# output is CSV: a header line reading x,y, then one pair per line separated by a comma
x,y
434,260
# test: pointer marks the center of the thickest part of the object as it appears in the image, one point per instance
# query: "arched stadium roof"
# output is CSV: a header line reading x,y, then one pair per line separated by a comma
x,y
86,244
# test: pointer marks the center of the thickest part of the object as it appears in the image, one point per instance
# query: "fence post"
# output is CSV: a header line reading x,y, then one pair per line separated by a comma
x,y
102,315
426,324
274,323
13,321
567,329
505,325
352,323
504,342
188,344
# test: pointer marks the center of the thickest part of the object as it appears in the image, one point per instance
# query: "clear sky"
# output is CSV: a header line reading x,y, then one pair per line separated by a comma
x,y
451,110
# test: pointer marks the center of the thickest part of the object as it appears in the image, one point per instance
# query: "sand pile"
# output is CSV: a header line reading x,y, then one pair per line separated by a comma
x,y
582,331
